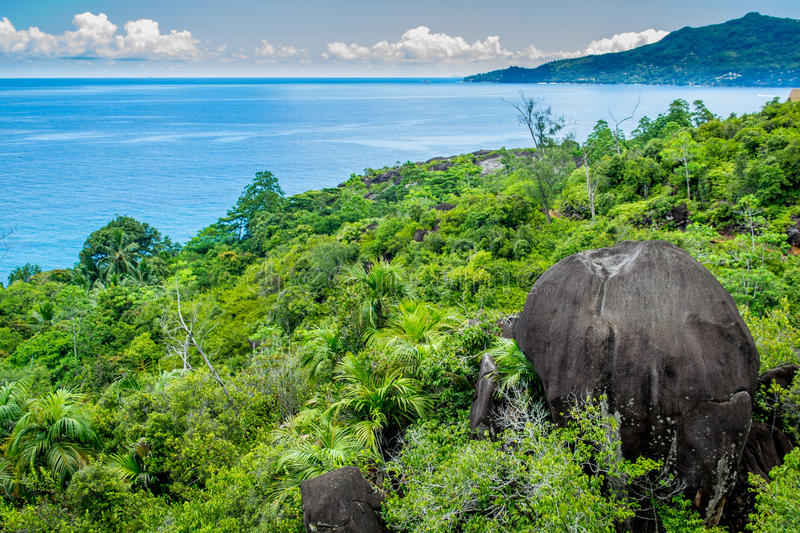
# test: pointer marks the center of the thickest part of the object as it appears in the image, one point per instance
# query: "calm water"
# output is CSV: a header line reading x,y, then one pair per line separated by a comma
x,y
177,153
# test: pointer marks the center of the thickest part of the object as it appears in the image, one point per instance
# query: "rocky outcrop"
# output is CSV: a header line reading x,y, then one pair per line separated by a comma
x,y
341,501
765,449
394,175
793,234
782,376
647,326
679,216
480,415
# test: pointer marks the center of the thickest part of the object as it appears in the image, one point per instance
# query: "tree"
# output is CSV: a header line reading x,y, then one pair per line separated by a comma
x,y
13,403
701,114
147,239
513,368
55,433
132,466
377,399
414,332
263,194
380,287
323,346
23,273
120,256
618,133
546,171
44,315
550,163
313,443
181,335
681,149
599,144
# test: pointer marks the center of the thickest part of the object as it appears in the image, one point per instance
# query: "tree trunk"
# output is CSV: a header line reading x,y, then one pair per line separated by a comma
x,y
589,189
686,168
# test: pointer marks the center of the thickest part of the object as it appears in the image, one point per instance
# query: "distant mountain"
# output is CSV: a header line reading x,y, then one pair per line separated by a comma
x,y
753,50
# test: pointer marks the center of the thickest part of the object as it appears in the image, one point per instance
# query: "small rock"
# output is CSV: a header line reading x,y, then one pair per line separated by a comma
x,y
341,501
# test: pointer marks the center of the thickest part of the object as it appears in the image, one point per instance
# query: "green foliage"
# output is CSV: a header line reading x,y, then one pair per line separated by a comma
x,y
345,327
776,502
56,432
376,399
776,334
23,273
526,480
379,288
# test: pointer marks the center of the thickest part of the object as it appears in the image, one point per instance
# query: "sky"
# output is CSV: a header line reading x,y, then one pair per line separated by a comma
x,y
300,38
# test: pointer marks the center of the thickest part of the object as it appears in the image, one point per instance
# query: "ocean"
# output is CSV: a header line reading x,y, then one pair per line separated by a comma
x,y
176,153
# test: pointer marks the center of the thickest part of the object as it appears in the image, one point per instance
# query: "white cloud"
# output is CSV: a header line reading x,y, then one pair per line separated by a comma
x,y
13,41
97,37
269,50
420,45
624,41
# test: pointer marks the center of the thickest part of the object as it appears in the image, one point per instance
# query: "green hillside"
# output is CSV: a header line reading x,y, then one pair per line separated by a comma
x,y
155,387
753,50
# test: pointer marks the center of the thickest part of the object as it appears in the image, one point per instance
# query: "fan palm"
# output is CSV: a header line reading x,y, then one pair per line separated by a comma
x,y
323,345
413,332
513,368
132,466
381,286
55,433
13,403
377,399
314,442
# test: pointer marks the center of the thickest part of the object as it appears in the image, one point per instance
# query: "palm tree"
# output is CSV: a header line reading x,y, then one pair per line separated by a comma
x,y
87,274
377,400
132,466
323,346
381,286
513,368
13,403
55,433
43,315
313,443
414,332
121,255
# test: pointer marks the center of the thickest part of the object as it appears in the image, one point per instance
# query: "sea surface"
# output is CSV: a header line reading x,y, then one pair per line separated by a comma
x,y
177,153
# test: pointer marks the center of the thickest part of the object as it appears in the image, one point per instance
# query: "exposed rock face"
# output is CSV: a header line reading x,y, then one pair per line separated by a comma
x,y
793,234
340,501
649,327
679,216
506,325
782,375
480,415
765,449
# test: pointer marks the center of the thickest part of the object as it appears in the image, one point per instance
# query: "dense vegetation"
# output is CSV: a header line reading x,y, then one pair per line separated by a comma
x,y
165,388
753,50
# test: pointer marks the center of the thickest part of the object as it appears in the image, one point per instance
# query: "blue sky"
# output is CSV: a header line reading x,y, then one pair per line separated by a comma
x,y
328,38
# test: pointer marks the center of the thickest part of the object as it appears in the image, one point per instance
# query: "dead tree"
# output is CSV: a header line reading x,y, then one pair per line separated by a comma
x,y
183,335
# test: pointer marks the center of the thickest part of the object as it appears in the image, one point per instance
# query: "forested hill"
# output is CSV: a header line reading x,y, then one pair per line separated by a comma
x,y
753,50
155,387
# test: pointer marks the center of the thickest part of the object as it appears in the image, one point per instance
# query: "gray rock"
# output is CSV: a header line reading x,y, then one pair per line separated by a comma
x,y
341,501
793,234
646,325
480,415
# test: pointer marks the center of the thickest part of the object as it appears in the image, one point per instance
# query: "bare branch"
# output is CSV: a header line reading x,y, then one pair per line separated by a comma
x,y
184,335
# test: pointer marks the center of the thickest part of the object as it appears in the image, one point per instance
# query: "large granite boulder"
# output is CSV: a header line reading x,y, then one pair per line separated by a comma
x,y
341,501
647,326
